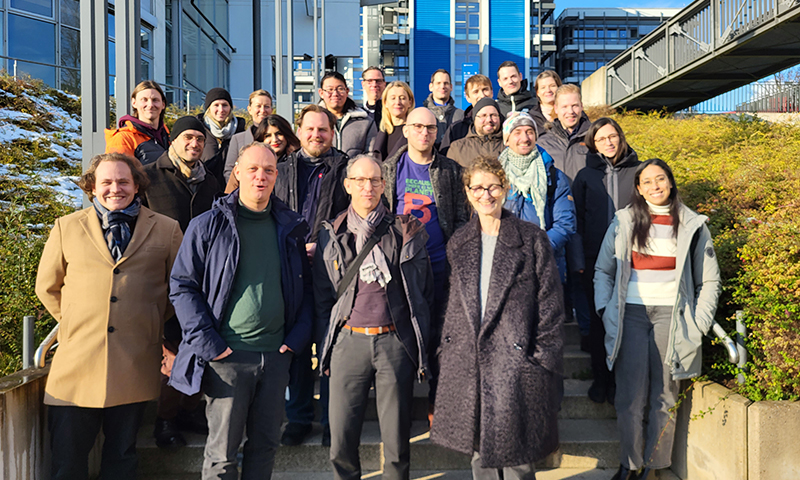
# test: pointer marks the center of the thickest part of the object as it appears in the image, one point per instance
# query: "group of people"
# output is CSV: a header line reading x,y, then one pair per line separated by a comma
x,y
409,244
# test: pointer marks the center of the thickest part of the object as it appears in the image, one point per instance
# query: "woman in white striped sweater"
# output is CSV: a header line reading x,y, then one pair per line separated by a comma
x,y
656,288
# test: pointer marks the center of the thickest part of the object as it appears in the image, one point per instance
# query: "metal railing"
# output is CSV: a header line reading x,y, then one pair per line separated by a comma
x,y
17,67
759,97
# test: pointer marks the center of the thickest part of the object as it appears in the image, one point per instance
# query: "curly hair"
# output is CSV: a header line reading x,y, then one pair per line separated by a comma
x,y
88,179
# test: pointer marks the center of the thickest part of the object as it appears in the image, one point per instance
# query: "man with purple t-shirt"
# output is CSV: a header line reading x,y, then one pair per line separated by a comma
x,y
421,182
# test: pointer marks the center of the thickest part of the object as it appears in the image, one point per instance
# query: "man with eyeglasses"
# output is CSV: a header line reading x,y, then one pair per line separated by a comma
x,y
484,139
180,188
373,83
377,315
441,104
354,129
310,182
426,184
477,87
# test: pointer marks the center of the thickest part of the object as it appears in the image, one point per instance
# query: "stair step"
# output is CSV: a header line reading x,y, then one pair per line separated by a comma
x,y
576,403
584,444
577,363
572,334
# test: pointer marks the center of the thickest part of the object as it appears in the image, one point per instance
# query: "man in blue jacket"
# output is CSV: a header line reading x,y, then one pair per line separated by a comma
x,y
242,293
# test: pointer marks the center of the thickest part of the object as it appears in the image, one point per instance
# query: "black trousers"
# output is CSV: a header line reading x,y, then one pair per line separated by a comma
x,y
73,431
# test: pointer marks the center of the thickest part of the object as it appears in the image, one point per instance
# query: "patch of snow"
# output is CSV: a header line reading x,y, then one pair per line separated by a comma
x,y
74,152
7,94
67,190
10,132
6,114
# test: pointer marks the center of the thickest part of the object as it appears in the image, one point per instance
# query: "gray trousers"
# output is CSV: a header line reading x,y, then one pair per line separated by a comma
x,y
642,379
244,392
520,472
356,361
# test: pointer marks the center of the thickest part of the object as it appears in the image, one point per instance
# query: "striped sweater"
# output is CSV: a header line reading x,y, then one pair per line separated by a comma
x,y
653,280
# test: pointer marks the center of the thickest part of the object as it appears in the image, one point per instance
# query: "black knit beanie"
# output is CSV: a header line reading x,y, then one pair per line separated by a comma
x,y
484,102
217,93
186,123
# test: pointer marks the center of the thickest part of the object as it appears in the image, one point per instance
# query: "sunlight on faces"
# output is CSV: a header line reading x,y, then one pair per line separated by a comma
x,y
522,140
654,185
487,121
113,185
546,90
275,139
489,199
256,170
148,105
373,84
509,80
606,140
423,140
398,103
334,93
569,109
478,91
259,108
441,87
364,197
219,110
189,145
315,134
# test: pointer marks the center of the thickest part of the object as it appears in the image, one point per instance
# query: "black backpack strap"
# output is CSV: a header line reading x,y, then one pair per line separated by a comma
x,y
356,265
551,187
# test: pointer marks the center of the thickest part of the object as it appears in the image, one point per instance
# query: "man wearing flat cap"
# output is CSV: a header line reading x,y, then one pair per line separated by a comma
x,y
484,139
180,188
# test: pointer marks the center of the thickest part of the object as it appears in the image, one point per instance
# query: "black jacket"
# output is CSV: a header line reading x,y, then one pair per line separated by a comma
x,y
451,199
522,101
569,153
170,195
499,378
332,197
600,190
215,153
456,131
445,115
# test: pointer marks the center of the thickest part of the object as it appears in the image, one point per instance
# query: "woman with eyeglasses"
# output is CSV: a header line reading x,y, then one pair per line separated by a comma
x,y
604,186
501,346
397,102
657,284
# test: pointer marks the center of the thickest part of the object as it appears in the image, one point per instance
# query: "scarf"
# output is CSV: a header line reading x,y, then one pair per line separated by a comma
x,y
374,267
117,225
221,131
528,177
193,172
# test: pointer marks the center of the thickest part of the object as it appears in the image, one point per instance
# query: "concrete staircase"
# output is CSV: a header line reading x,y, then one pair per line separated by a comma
x,y
589,443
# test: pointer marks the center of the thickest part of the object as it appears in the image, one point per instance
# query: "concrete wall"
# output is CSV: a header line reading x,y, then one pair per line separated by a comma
x,y
773,447
23,426
593,89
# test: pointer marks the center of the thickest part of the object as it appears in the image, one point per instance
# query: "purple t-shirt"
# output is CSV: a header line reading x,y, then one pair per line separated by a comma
x,y
415,196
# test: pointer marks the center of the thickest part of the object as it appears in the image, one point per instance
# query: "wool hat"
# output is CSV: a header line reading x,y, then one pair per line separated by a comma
x,y
186,123
518,120
217,93
484,102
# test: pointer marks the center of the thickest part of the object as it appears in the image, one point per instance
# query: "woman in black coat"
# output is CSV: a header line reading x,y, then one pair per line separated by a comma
x,y
502,341
600,189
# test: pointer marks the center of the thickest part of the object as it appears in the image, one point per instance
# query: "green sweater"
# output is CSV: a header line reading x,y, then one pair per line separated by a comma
x,y
254,318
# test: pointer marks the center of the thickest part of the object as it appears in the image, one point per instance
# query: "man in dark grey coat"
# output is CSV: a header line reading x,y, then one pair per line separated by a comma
x,y
377,320
441,104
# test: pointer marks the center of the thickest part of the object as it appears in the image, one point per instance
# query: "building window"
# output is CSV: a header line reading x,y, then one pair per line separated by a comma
x,y
39,45
71,13
39,7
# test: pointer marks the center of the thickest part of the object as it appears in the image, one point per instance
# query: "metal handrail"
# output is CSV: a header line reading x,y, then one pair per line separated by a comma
x,y
49,343
39,63
727,341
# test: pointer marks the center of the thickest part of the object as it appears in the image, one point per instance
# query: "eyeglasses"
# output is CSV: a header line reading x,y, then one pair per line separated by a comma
x,y
370,81
494,190
421,127
362,181
484,116
331,91
611,138
188,137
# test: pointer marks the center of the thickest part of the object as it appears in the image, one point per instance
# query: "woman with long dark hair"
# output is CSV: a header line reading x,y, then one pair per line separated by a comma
x,y
656,285
600,189
276,132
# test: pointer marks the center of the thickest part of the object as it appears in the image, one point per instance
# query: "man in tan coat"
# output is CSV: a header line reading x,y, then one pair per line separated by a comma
x,y
103,276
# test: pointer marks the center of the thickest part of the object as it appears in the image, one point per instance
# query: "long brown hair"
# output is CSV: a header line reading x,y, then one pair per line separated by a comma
x,y
150,85
274,120
641,211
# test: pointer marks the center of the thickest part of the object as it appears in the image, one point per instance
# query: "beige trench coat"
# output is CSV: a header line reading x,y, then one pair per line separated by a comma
x,y
110,314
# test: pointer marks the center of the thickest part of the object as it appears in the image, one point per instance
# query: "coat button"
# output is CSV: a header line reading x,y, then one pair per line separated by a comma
x,y
447,339
116,271
517,346
111,329
113,299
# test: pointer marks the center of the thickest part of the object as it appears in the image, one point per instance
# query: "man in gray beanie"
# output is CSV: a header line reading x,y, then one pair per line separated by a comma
x,y
484,137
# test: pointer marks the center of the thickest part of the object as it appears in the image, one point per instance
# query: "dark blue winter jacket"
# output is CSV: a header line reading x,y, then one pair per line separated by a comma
x,y
202,278
559,213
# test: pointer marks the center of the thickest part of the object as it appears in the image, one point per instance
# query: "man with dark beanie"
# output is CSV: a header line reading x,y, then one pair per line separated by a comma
x,y
220,126
181,189
485,137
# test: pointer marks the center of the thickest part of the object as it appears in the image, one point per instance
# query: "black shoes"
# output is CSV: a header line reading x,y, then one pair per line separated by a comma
x,y
167,434
326,435
586,346
624,473
295,433
598,392
194,422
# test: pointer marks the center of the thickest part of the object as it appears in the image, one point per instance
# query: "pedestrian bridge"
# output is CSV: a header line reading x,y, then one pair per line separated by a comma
x,y
708,48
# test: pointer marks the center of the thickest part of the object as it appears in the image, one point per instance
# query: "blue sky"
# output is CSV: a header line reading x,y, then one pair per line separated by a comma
x,y
562,4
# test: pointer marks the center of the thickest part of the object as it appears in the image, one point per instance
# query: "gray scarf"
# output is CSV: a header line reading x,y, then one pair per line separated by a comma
x,y
116,225
528,177
194,172
221,131
374,267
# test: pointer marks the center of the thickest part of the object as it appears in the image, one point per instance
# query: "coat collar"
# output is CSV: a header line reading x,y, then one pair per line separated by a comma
x,y
91,225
